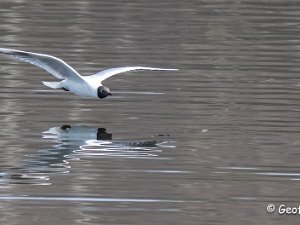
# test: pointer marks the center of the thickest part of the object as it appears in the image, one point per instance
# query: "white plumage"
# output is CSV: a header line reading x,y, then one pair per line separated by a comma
x,y
71,80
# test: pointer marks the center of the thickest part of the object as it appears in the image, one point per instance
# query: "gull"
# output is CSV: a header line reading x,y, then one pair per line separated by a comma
x,y
71,80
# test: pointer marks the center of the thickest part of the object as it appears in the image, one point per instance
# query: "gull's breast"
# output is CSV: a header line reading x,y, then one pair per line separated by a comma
x,y
80,88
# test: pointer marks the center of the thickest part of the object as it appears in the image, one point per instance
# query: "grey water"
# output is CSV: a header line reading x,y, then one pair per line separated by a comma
x,y
212,143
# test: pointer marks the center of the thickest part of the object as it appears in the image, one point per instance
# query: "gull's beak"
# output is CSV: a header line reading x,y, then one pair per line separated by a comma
x,y
109,93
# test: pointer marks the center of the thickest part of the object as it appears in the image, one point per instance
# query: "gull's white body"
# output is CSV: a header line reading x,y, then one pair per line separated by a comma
x,y
71,80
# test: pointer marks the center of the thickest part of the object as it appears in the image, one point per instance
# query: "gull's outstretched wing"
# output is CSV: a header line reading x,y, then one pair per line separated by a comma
x,y
101,76
51,64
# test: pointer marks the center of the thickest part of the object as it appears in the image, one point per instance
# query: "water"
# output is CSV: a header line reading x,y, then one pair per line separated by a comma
x,y
213,143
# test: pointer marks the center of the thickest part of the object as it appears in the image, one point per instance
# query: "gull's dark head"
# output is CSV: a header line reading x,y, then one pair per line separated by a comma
x,y
103,92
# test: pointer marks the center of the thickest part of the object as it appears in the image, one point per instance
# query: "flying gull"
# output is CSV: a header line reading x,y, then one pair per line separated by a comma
x,y
71,80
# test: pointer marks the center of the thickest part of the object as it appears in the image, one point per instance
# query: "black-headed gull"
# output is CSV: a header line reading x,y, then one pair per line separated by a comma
x,y
71,80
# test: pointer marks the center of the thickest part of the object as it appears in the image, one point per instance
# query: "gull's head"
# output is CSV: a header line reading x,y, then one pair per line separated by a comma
x,y
103,92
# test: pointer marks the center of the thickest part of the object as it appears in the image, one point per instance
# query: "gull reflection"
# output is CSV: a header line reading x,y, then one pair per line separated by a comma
x,y
87,141
75,142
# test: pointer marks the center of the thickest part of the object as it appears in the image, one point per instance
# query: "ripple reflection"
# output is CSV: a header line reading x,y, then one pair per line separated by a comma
x,y
73,143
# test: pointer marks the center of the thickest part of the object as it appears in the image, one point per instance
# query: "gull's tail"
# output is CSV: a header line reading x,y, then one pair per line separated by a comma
x,y
54,85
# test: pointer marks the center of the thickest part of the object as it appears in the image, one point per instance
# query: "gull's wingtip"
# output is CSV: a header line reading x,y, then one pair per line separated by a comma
x,y
4,50
8,51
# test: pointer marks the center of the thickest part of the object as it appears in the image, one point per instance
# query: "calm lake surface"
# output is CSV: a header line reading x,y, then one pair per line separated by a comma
x,y
212,143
